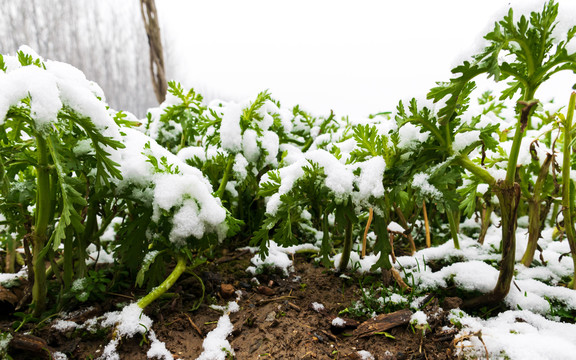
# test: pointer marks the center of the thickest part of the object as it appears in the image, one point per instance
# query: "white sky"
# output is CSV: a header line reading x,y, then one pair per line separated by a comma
x,y
356,57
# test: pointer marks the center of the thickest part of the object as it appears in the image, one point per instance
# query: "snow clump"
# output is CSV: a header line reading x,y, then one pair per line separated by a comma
x,y
215,345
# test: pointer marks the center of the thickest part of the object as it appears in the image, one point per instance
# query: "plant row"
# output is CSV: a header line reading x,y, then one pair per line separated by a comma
x,y
195,177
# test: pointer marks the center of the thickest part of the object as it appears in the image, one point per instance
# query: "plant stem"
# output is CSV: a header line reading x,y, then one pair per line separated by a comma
x,y
40,234
534,211
486,214
225,176
454,222
370,216
404,224
10,259
481,173
567,201
508,197
525,114
166,284
347,246
426,225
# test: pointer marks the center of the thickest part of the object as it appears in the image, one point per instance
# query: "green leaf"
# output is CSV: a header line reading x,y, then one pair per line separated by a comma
x,y
382,245
72,200
148,260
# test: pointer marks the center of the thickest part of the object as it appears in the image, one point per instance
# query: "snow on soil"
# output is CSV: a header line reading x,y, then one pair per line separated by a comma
x,y
278,257
530,333
215,345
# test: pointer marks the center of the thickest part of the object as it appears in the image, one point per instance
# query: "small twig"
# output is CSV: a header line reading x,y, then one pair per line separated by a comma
x,y
294,306
370,216
392,248
194,325
478,334
399,279
120,295
330,336
264,301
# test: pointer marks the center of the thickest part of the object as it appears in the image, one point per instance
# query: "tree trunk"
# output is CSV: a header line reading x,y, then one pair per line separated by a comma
x,y
157,71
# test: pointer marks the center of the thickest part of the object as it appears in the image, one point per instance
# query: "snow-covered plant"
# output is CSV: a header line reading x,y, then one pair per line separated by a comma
x,y
70,165
56,136
526,53
341,183
568,188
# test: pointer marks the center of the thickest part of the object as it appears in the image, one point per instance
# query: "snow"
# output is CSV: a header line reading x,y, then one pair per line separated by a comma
x,y
340,178
356,262
317,306
215,345
278,257
419,318
461,140
338,322
410,136
187,192
230,131
129,321
64,325
6,278
365,355
420,181
40,85
519,335
57,355
394,226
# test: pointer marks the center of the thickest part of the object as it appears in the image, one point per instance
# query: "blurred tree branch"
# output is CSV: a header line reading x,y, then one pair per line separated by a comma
x,y
150,17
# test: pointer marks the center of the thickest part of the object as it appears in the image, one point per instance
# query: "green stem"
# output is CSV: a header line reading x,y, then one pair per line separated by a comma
x,y
480,172
225,176
567,203
90,228
9,267
68,262
525,115
347,246
166,284
486,214
40,234
508,197
454,222
534,211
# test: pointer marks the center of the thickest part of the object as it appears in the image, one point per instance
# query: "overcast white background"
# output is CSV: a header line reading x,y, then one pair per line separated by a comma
x,y
354,57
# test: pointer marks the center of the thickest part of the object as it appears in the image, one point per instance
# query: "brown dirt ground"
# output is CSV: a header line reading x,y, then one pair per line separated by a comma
x,y
274,322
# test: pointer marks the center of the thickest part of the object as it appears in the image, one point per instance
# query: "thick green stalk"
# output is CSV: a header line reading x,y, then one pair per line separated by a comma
x,y
525,114
166,284
90,228
40,234
454,222
481,173
68,262
508,198
508,192
225,176
347,247
10,259
486,214
567,204
534,211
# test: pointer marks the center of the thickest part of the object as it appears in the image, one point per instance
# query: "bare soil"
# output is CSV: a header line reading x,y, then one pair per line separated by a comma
x,y
276,320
